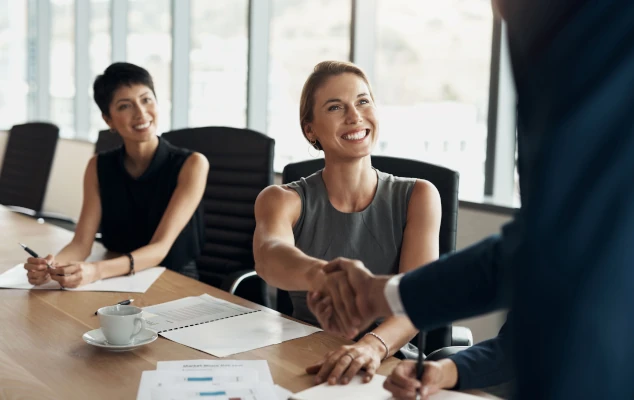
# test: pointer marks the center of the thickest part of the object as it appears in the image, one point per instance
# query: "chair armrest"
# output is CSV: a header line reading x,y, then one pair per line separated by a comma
x,y
22,210
461,336
256,289
445,352
230,282
55,217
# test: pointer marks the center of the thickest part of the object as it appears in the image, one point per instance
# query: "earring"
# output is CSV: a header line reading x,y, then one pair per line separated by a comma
x,y
312,148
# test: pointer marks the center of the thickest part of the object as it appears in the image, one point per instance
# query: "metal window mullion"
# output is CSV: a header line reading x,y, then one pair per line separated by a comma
x,y
258,68
119,29
82,69
363,32
489,163
504,172
181,12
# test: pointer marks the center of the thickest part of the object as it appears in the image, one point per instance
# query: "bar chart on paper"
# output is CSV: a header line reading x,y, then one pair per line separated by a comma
x,y
264,392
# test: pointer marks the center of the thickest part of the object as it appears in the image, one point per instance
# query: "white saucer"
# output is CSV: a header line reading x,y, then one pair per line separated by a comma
x,y
96,338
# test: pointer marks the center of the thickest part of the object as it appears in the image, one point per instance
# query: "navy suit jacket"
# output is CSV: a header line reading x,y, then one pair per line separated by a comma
x,y
565,264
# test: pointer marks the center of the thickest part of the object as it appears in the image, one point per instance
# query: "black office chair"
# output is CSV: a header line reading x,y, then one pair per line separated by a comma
x,y
240,166
26,168
446,181
107,140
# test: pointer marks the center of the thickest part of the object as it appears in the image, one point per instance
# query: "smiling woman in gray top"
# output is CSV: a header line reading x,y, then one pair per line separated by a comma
x,y
349,209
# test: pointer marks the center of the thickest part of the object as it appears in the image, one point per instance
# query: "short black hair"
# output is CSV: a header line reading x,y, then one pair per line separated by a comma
x,y
115,76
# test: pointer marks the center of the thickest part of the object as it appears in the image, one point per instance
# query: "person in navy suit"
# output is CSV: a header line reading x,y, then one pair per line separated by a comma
x,y
487,365
564,264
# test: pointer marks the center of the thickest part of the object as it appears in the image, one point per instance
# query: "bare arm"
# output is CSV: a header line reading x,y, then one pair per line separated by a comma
x,y
189,191
277,260
420,246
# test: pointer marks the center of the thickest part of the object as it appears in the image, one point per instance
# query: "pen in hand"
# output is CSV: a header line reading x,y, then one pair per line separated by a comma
x,y
121,303
420,367
34,254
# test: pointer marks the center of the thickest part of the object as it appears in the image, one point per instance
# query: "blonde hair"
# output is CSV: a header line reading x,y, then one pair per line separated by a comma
x,y
317,78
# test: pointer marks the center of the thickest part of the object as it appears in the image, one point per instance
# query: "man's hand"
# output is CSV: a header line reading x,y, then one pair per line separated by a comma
x,y
402,382
347,308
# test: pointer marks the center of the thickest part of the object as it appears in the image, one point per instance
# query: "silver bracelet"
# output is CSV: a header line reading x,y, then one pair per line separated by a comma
x,y
387,349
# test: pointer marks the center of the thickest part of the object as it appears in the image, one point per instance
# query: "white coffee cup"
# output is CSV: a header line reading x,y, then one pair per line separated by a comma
x,y
120,324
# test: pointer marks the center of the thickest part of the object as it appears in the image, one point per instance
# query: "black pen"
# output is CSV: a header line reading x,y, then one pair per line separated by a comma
x,y
33,254
420,367
121,303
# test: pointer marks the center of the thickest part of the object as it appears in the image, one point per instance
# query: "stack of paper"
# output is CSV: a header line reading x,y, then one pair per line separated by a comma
x,y
220,379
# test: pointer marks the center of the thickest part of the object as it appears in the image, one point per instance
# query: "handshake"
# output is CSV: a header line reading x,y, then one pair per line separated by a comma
x,y
346,298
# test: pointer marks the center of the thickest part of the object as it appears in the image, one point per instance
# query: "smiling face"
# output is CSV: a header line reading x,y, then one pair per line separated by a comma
x,y
133,113
344,117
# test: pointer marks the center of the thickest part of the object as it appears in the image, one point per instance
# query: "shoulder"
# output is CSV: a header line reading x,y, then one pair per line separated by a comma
x,y
424,201
196,165
92,163
278,196
196,161
425,191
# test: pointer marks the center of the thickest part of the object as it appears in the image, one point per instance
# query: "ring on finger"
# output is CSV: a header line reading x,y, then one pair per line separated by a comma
x,y
350,355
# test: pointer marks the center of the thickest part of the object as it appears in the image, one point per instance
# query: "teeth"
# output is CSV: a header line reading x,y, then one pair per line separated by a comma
x,y
355,136
143,126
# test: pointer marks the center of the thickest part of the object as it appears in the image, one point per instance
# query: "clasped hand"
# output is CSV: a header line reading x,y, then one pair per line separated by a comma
x,y
70,275
349,298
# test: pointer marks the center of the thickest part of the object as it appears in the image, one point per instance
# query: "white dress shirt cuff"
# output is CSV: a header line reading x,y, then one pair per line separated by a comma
x,y
393,296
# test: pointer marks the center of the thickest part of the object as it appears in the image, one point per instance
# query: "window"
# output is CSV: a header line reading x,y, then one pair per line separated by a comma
x,y
303,33
62,66
432,83
149,45
13,55
100,55
218,63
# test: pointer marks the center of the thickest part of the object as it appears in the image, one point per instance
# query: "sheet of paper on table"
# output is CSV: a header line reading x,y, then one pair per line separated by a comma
x,y
260,366
263,391
220,379
372,390
15,278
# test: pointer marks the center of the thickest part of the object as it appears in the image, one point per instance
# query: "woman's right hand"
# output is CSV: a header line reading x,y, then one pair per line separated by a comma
x,y
37,269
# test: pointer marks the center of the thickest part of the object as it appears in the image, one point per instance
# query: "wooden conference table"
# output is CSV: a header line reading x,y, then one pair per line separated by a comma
x,y
42,354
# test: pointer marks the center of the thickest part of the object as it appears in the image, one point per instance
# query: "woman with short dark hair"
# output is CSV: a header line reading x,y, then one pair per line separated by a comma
x,y
144,197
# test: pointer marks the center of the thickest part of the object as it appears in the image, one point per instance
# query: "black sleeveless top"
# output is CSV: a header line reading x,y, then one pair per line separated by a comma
x,y
131,209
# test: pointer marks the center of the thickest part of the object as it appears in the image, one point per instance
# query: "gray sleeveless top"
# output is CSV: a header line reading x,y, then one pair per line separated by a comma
x,y
373,236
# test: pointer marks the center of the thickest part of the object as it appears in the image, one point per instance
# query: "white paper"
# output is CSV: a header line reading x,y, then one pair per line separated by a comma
x,y
15,278
260,366
239,334
372,390
248,392
193,380
190,311
282,394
